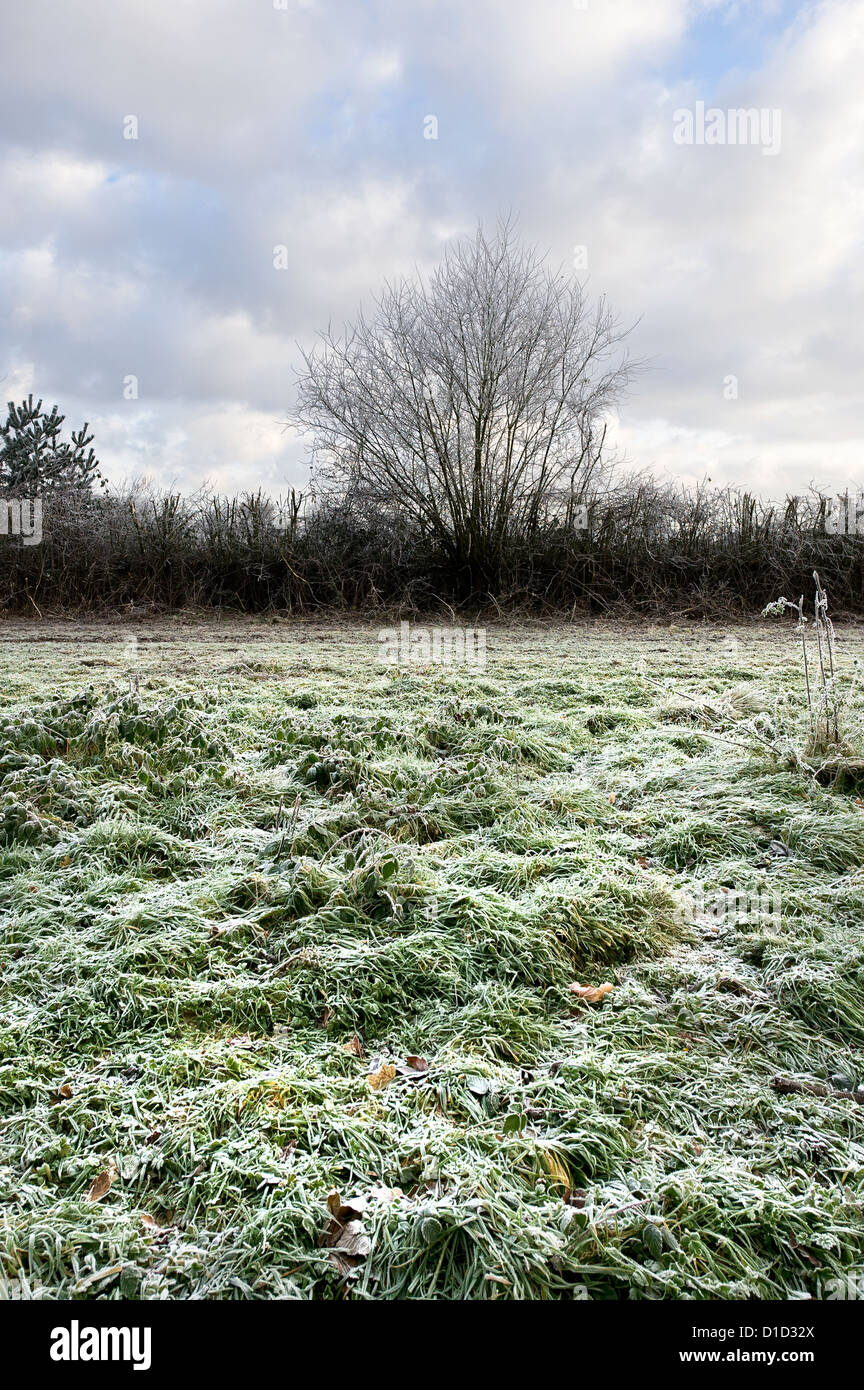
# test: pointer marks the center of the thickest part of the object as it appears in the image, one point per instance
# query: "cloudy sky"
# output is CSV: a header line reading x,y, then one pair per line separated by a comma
x,y
303,125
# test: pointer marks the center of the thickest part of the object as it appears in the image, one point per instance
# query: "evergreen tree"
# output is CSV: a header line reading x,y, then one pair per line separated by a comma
x,y
35,460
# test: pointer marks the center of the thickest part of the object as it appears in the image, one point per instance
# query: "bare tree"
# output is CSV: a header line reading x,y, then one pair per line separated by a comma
x,y
474,401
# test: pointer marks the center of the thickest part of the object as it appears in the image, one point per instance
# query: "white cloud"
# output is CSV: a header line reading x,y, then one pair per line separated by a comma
x,y
303,127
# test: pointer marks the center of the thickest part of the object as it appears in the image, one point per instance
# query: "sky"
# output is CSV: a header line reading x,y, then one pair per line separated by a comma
x,y
191,191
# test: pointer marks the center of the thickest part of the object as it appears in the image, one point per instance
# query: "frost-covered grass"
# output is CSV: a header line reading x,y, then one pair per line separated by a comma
x,y
237,902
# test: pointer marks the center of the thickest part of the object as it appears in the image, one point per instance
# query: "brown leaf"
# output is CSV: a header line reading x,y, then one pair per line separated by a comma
x,y
352,1240
727,984
100,1186
592,994
381,1078
325,1018
346,1236
417,1063
349,1210
354,1047
790,1086
346,1262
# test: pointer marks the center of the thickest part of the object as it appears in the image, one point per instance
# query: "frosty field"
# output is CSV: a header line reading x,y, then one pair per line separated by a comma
x,y
285,923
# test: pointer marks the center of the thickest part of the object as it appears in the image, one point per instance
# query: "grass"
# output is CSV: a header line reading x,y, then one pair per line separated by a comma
x,y
236,902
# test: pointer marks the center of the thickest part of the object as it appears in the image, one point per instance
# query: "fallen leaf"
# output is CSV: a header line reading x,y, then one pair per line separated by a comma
x,y
381,1078
417,1063
727,984
385,1194
109,1273
350,1210
346,1236
354,1047
352,1240
345,1262
592,994
611,798
100,1186
789,1085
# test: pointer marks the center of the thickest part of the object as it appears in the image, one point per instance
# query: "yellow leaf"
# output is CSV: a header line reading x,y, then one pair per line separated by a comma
x,y
379,1079
592,994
